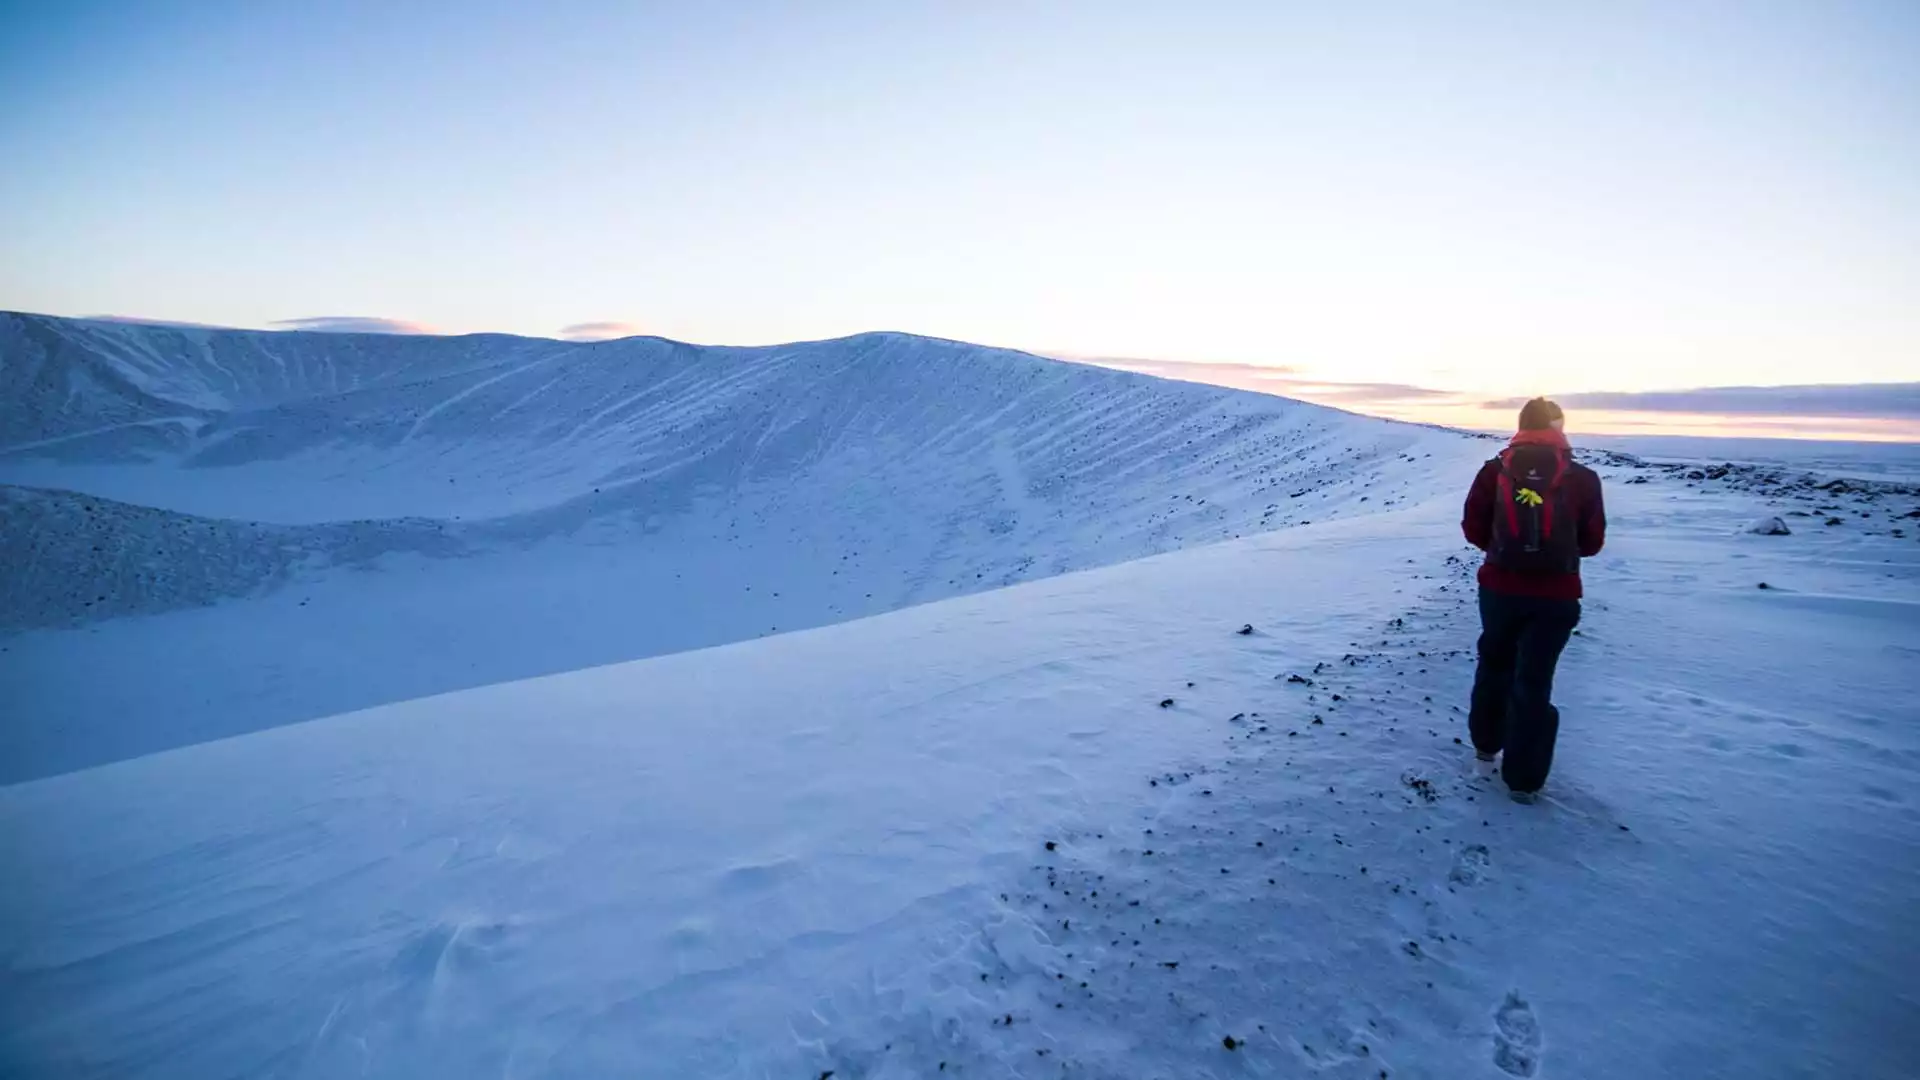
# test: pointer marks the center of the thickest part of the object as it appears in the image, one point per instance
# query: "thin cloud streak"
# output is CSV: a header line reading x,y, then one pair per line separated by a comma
x,y
599,331
1273,379
1888,412
1177,368
352,324
1371,392
174,324
1857,400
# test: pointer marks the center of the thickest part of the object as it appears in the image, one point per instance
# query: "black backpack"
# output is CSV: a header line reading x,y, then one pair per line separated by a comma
x,y
1534,531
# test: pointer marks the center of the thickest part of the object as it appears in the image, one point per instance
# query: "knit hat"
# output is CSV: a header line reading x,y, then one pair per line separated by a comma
x,y
1539,415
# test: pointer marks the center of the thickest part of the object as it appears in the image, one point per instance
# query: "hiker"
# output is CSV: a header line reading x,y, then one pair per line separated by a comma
x,y
1536,514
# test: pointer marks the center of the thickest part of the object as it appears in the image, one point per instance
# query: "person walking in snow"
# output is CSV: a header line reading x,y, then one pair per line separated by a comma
x,y
1536,513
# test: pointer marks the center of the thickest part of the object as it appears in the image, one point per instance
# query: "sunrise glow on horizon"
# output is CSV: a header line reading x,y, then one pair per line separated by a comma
x,y
1476,201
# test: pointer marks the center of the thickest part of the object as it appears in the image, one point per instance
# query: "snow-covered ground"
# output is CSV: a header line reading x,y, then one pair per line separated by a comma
x,y
1897,462
1065,821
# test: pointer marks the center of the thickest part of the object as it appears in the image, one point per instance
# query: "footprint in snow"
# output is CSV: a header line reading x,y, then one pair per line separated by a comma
x,y
1470,865
1516,1039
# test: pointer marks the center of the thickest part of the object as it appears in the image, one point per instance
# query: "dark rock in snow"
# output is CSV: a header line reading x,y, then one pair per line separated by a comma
x,y
1245,630
1166,703
1769,526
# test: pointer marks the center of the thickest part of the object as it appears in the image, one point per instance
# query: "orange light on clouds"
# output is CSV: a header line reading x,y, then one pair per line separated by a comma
x,y
1481,411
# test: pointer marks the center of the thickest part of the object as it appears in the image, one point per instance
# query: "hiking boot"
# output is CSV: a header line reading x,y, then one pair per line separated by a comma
x,y
1484,756
1525,798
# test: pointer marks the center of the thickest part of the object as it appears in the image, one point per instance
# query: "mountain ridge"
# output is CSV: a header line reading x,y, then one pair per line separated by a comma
x,y
197,496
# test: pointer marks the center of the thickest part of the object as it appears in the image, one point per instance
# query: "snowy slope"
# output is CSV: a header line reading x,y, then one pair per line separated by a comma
x,y
311,523
297,428
966,838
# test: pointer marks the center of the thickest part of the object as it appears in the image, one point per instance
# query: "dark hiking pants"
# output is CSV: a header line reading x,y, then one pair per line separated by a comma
x,y
1520,642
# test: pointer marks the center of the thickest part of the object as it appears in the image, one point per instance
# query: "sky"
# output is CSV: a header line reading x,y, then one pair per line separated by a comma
x,y
1476,200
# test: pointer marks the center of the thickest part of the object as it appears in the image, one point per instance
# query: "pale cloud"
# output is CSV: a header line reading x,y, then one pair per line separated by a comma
x,y
1179,369
353,324
1272,379
599,331
1368,391
1864,400
1869,411
177,324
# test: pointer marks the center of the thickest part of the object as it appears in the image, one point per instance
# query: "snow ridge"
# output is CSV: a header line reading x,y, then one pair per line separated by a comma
x,y
629,498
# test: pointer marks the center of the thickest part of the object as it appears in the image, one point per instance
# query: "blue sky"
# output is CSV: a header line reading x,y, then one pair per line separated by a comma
x,y
1477,197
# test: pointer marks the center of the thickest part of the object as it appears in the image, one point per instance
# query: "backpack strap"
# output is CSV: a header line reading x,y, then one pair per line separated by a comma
x,y
1506,496
1562,465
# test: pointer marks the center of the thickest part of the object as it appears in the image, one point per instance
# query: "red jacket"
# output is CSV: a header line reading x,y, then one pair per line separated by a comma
x,y
1581,489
